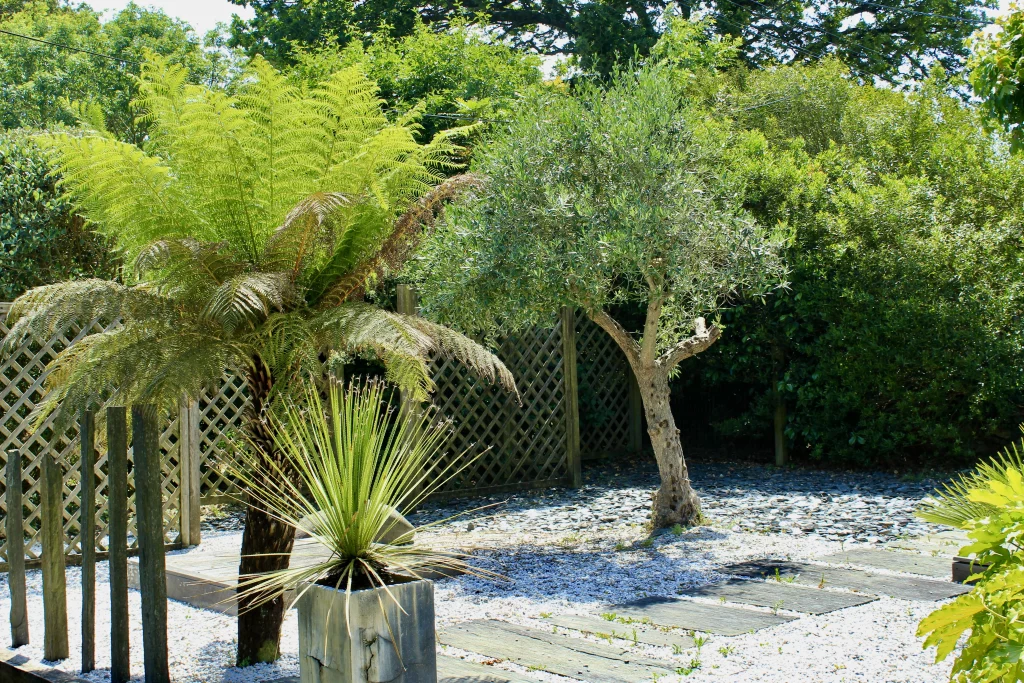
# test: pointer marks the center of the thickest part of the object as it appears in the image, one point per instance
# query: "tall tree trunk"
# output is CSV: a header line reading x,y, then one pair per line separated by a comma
x,y
266,542
675,502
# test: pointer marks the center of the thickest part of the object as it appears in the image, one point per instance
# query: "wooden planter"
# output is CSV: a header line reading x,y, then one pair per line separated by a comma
x,y
964,567
382,645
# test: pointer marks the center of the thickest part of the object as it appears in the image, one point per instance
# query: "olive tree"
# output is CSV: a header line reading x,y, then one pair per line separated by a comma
x,y
608,200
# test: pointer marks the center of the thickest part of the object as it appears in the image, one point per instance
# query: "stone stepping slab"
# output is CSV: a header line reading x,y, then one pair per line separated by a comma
x,y
453,670
552,652
902,587
602,628
911,563
698,616
772,593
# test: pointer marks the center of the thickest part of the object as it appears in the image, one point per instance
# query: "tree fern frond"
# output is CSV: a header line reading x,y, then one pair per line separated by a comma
x,y
308,233
448,343
247,300
952,505
400,244
42,312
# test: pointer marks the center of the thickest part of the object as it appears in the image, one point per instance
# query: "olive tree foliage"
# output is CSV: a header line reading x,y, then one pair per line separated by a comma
x,y
607,199
997,72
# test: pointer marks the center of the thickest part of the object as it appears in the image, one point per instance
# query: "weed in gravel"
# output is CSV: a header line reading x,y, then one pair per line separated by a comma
x,y
689,668
726,650
821,584
677,530
609,616
647,542
620,546
776,606
677,649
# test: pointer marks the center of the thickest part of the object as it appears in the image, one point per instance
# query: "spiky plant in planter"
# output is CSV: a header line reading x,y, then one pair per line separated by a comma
x,y
366,612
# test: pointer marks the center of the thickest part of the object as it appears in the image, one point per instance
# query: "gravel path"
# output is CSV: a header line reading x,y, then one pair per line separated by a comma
x,y
578,551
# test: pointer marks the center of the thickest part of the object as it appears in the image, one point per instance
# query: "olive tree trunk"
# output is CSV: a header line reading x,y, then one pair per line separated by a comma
x,y
675,502
266,541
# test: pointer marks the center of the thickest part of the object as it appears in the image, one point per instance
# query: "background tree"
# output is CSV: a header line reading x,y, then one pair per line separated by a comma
x,y
252,225
997,72
43,85
604,199
41,239
899,351
894,40
434,74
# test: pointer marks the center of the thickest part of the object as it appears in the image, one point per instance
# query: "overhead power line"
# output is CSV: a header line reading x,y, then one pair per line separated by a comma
x,y
62,46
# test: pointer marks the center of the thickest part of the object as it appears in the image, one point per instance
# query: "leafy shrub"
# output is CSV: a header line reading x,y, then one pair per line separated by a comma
x,y
41,239
994,611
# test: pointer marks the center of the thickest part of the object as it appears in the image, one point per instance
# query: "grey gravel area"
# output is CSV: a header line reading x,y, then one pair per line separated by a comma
x,y
839,506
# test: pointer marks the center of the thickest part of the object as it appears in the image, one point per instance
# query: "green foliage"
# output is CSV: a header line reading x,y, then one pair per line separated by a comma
x,y
955,504
992,611
891,346
892,40
457,71
42,85
344,468
41,239
997,72
252,225
605,198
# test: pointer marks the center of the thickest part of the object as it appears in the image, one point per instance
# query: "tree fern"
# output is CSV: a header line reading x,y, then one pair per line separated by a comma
x,y
251,225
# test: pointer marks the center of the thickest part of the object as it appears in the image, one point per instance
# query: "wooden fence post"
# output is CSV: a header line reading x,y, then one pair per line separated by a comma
x,y
150,522
572,406
55,603
636,413
16,550
87,537
117,534
188,453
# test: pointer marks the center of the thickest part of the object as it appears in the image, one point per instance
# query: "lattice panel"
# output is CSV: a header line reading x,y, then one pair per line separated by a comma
x,y
219,417
513,445
22,374
604,399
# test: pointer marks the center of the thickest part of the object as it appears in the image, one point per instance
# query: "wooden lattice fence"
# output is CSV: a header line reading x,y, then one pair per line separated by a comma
x,y
21,390
540,442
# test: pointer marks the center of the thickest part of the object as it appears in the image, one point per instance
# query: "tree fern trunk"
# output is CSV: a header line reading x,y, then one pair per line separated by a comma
x,y
266,542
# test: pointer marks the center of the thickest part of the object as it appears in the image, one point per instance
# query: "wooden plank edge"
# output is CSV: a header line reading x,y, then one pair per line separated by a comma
x,y
17,668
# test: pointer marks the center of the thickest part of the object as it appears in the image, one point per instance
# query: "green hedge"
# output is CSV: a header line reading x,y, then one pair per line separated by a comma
x,y
41,239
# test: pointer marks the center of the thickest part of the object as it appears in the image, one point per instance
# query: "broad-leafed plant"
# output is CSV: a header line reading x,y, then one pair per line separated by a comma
x,y
252,224
993,612
356,462
956,504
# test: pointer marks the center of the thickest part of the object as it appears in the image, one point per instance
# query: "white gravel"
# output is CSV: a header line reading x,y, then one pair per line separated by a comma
x,y
557,571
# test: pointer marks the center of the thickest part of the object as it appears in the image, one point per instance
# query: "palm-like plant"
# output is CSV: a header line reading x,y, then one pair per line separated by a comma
x,y
355,462
954,505
251,225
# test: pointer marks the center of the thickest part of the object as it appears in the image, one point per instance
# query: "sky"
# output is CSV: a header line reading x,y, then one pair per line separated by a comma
x,y
203,15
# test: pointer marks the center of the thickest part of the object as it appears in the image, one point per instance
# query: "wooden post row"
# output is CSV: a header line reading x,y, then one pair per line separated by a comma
x,y
55,603
149,516
87,537
117,533
16,550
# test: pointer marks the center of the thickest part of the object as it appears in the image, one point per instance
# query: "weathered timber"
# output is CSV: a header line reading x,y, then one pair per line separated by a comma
x,y
55,602
572,408
16,550
87,513
452,670
698,616
805,573
911,563
18,668
772,593
150,522
117,509
557,654
603,628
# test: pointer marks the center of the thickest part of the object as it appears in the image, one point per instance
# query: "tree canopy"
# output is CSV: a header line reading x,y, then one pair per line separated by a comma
x,y
891,40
